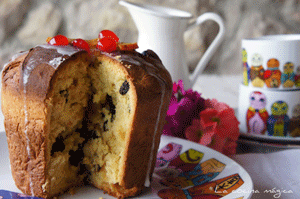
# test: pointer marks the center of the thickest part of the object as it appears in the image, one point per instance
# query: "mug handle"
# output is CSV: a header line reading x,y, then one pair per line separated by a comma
x,y
214,45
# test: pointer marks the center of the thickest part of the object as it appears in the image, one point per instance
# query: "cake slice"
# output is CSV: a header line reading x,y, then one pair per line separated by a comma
x,y
73,117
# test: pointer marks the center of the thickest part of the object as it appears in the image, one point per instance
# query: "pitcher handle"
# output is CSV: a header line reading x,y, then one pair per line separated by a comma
x,y
214,45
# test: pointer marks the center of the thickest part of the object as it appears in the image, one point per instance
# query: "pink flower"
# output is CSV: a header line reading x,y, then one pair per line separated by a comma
x,y
207,122
184,107
218,126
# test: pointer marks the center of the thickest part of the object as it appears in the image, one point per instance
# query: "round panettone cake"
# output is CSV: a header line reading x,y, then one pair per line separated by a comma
x,y
76,116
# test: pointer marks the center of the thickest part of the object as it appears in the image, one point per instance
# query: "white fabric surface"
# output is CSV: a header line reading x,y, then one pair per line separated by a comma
x,y
275,175
223,88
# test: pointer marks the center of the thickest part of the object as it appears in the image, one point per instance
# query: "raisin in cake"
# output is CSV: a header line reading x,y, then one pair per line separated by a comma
x,y
72,117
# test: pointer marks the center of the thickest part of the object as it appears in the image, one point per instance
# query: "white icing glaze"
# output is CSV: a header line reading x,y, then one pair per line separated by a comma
x,y
13,58
31,64
27,142
56,61
26,74
64,50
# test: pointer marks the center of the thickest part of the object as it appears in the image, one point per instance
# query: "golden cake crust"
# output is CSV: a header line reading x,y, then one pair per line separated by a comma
x,y
28,142
153,87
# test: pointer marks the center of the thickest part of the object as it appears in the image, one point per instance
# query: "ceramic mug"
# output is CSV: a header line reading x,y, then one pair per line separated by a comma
x,y
269,112
161,29
272,62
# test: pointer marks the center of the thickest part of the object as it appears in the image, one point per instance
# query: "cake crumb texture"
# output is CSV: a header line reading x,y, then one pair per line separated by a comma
x,y
90,119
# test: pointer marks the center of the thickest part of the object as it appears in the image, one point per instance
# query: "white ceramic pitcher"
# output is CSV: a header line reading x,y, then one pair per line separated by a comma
x,y
161,29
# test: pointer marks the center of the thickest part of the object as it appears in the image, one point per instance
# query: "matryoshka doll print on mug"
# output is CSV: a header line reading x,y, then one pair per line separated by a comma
x,y
272,62
269,113
269,95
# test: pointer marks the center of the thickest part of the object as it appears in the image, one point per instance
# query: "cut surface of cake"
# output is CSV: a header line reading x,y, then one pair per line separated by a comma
x,y
73,117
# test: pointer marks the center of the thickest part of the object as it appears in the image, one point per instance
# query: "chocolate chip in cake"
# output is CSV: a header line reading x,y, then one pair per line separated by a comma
x,y
82,169
97,168
124,88
110,106
105,126
75,82
76,157
58,145
88,135
64,94
93,135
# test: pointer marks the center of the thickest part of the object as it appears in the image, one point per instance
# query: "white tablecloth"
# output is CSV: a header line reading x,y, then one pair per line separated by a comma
x,y
223,88
275,175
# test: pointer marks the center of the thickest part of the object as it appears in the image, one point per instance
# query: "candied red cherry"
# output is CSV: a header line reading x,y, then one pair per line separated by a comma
x,y
110,34
107,44
82,44
59,40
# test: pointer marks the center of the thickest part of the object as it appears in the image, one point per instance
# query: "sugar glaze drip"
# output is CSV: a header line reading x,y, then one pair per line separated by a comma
x,y
62,52
14,57
25,81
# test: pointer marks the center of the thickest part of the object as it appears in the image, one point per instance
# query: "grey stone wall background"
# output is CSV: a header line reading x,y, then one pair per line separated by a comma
x,y
26,23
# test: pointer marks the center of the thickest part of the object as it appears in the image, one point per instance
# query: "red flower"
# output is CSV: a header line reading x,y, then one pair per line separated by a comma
x,y
218,126
200,132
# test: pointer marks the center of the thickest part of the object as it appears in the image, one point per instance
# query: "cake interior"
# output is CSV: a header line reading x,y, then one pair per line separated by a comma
x,y
91,115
